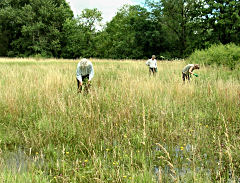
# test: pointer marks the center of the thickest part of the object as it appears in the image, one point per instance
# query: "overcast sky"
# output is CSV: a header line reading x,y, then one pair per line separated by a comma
x,y
107,7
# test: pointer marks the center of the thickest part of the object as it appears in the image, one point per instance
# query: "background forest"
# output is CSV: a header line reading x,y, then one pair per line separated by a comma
x,y
167,28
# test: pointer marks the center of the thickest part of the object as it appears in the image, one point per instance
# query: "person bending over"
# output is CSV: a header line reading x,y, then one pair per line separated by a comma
x,y
187,70
85,73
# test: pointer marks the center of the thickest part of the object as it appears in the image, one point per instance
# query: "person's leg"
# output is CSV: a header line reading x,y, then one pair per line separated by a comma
x,y
154,71
86,83
79,88
188,77
183,77
77,83
150,71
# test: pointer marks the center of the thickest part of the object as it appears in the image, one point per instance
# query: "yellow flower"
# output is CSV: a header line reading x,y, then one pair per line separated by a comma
x,y
125,136
86,161
206,126
107,149
55,177
83,176
124,176
115,163
36,153
130,177
181,148
67,152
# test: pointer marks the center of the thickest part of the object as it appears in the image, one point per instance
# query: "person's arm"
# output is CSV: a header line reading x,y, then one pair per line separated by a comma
x,y
156,63
78,73
91,73
147,63
191,70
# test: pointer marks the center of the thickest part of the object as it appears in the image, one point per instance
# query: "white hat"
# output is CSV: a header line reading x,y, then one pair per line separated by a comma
x,y
84,62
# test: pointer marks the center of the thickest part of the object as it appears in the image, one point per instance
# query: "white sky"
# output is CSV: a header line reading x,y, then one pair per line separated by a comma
x,y
107,7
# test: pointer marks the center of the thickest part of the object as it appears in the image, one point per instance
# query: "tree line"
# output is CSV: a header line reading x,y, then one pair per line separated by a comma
x,y
166,28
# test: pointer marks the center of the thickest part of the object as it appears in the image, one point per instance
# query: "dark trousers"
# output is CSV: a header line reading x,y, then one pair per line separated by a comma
x,y
84,82
152,70
185,76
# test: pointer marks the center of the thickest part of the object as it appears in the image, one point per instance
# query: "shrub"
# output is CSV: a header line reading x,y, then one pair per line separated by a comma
x,y
227,55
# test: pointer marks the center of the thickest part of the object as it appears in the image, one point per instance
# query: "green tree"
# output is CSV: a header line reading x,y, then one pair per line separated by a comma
x,y
80,34
214,22
175,16
88,21
222,17
73,38
132,34
35,26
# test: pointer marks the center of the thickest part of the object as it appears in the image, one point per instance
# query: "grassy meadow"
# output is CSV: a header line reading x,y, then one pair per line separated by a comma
x,y
129,128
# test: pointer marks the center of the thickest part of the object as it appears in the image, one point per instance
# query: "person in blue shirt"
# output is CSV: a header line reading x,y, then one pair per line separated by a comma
x,y
84,73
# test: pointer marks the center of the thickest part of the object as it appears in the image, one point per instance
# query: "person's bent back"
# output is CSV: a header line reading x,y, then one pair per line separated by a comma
x,y
187,70
84,74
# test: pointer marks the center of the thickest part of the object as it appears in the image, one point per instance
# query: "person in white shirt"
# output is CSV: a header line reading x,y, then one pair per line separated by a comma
x,y
85,73
152,64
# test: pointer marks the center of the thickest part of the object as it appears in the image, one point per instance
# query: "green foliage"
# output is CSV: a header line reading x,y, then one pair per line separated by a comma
x,y
73,37
227,55
34,27
223,18
132,33
80,34
175,16
169,28
89,19
216,21
198,24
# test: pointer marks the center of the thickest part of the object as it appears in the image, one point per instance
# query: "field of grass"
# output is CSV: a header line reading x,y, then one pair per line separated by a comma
x,y
129,128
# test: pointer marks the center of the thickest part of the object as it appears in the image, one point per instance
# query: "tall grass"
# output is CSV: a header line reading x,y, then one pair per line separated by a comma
x,y
129,128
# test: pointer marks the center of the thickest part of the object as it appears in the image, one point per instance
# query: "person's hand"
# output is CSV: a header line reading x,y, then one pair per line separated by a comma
x,y
89,82
80,83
